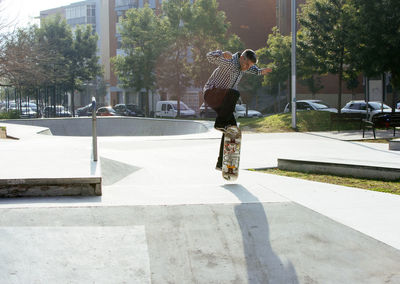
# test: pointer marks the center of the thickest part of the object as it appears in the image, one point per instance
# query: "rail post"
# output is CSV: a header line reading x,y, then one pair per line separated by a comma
x,y
94,132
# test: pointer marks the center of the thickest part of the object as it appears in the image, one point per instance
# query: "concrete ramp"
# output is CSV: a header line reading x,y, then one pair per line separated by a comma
x,y
116,126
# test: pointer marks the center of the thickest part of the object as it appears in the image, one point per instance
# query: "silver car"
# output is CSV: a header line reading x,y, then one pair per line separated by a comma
x,y
240,111
361,107
311,105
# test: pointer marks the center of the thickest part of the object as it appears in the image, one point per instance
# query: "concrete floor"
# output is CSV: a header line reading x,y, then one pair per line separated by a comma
x,y
166,216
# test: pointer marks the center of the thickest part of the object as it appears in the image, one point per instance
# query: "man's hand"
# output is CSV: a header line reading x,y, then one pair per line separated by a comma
x,y
227,55
265,71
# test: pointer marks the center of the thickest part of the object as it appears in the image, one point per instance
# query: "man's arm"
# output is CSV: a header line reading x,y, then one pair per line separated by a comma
x,y
219,57
257,71
265,71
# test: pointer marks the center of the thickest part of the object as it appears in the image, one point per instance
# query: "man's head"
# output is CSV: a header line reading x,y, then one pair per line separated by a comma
x,y
247,59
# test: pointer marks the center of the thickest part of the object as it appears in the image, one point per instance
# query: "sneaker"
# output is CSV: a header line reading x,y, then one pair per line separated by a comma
x,y
218,166
222,129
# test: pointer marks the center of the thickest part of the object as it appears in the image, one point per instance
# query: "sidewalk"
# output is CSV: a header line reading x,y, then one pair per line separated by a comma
x,y
164,203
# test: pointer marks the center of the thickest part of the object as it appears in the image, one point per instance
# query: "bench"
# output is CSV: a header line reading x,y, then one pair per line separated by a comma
x,y
382,120
346,117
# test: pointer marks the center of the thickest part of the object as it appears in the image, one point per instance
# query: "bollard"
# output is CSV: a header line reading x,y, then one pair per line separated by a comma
x,y
94,133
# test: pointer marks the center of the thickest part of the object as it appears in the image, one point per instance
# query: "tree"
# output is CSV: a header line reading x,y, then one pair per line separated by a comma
x,y
84,60
234,43
74,59
326,24
174,69
56,36
207,27
277,56
249,86
144,38
376,39
22,58
308,66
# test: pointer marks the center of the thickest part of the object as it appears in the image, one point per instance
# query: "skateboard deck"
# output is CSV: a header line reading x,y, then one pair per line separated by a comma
x,y
231,158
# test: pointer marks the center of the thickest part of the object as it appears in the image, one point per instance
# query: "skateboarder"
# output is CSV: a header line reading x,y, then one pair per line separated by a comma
x,y
221,90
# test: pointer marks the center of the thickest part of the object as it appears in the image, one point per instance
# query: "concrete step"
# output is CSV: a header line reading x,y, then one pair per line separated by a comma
x,y
341,169
40,187
394,145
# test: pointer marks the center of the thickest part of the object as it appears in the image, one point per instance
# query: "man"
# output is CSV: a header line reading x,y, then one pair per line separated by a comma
x,y
220,91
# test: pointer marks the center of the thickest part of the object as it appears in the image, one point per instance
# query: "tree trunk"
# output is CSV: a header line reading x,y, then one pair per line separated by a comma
x,y
147,103
288,93
394,98
339,105
73,103
179,102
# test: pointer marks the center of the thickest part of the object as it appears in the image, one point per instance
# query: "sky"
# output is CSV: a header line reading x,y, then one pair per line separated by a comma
x,y
20,13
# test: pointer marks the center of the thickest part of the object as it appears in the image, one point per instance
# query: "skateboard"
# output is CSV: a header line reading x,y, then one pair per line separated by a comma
x,y
231,158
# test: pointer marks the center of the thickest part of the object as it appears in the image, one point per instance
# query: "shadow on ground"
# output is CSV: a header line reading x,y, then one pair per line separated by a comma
x,y
263,265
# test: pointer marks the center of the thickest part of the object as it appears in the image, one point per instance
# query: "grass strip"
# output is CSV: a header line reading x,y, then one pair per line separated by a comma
x,y
369,184
306,121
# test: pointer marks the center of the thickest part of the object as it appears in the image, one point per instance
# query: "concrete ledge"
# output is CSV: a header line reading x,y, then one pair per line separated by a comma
x,y
353,170
40,187
114,126
394,145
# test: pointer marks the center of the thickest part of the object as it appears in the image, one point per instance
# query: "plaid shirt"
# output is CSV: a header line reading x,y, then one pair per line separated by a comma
x,y
228,73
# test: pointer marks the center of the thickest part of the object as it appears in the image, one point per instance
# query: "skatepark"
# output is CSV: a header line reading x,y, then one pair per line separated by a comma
x,y
165,215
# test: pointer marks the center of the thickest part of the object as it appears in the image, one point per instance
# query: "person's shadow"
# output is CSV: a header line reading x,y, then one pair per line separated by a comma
x,y
263,265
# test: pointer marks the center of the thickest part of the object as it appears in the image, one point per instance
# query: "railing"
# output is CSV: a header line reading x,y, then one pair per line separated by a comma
x,y
94,132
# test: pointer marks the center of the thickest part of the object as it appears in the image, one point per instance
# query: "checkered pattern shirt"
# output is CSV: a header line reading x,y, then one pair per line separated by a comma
x,y
228,73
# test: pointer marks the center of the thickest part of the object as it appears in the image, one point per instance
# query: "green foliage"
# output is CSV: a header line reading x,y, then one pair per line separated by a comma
x,y
84,62
144,38
12,114
173,71
326,28
376,37
74,60
56,36
306,121
277,56
22,58
234,43
369,184
313,83
207,28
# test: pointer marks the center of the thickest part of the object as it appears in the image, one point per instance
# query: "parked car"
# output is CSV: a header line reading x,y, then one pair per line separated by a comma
x,y
57,111
106,111
27,112
361,107
240,111
85,111
206,111
128,110
311,105
170,109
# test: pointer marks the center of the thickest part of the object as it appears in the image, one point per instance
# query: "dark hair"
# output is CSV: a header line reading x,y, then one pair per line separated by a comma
x,y
250,55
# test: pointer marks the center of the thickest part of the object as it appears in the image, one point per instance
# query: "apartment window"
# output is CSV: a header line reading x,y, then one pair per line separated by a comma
x,y
75,12
152,4
119,3
91,11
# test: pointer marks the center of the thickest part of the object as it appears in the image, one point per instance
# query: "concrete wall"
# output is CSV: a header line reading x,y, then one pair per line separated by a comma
x,y
115,126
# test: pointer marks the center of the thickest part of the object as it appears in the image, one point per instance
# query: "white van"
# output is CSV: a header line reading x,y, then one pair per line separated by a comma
x,y
170,109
